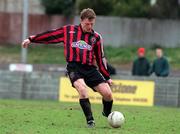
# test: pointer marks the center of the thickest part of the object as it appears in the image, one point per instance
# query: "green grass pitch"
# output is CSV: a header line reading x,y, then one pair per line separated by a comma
x,y
51,117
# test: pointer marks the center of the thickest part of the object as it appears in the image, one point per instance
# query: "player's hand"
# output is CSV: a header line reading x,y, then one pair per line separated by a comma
x,y
110,82
25,43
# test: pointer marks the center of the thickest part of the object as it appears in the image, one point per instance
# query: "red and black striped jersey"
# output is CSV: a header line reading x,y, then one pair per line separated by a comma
x,y
79,46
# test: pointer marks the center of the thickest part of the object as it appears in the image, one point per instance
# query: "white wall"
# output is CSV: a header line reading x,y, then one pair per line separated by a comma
x,y
119,31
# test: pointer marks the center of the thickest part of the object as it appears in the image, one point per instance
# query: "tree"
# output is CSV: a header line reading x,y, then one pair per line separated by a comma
x,y
131,8
65,7
166,9
101,7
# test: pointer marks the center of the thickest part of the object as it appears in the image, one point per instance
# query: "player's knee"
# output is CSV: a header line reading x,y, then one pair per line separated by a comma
x,y
81,88
108,96
83,94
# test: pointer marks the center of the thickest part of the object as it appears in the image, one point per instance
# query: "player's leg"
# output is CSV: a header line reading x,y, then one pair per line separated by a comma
x,y
96,81
77,81
85,104
105,90
81,88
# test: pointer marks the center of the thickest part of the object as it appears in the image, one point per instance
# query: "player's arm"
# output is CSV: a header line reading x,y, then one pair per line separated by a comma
x,y
52,36
101,61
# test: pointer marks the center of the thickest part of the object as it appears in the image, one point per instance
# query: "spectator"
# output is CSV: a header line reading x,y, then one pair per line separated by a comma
x,y
160,65
141,66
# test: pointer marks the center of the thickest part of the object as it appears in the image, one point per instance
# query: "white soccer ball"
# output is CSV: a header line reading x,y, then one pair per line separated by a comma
x,y
116,119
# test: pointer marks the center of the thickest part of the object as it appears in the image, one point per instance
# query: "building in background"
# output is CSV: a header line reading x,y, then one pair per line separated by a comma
x,y
16,6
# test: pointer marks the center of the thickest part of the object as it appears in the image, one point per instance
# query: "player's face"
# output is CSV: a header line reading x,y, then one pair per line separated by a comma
x,y
87,24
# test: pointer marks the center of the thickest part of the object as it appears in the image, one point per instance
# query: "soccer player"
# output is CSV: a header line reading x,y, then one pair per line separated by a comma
x,y
82,46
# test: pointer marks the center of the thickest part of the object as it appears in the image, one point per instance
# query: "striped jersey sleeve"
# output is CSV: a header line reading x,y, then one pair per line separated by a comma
x,y
52,36
100,58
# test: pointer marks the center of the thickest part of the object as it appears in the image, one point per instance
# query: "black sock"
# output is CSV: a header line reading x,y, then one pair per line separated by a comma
x,y
107,106
86,107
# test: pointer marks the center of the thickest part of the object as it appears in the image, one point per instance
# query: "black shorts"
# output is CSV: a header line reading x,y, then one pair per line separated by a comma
x,y
90,74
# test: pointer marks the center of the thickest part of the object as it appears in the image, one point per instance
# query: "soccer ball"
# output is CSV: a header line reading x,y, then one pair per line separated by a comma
x,y
116,119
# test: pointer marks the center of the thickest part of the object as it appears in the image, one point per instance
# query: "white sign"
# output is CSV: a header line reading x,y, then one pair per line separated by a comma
x,y
21,67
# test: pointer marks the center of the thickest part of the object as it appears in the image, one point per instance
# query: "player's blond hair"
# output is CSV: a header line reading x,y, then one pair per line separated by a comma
x,y
87,13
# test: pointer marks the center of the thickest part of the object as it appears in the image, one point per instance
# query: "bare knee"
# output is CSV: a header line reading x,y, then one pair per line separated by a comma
x,y
105,91
108,95
81,88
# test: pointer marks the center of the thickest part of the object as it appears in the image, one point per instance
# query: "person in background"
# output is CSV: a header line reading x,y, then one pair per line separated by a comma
x,y
160,65
141,65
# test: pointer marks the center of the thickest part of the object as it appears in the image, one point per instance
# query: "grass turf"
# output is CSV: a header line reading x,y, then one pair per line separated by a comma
x,y
51,117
